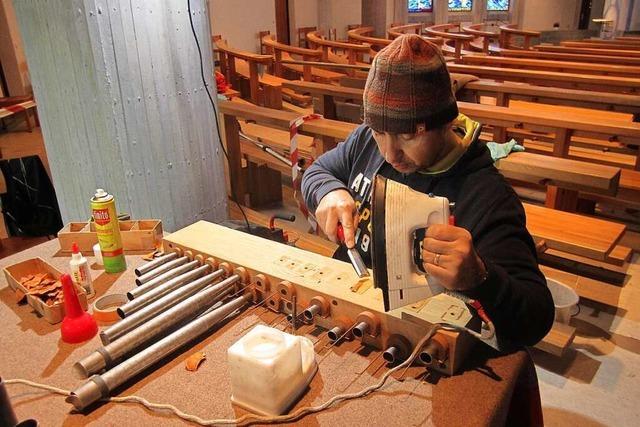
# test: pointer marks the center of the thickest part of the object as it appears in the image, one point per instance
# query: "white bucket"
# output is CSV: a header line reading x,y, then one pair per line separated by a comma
x,y
564,299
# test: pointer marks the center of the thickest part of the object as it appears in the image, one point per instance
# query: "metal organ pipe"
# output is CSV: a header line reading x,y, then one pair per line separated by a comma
x,y
164,277
107,356
161,290
163,268
99,386
169,300
145,268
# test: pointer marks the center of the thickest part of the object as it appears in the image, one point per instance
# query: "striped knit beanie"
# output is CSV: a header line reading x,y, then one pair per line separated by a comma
x,y
408,88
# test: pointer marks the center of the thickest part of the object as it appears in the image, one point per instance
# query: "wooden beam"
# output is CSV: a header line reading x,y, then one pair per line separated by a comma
x,y
558,340
237,179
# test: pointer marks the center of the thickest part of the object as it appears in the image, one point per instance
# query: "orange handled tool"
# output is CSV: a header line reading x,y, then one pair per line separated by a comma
x,y
356,260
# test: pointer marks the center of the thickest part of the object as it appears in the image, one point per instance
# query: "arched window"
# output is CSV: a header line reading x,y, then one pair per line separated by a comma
x,y
497,5
460,5
420,6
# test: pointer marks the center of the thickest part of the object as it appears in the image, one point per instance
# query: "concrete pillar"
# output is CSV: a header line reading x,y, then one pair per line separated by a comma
x,y
440,11
123,107
479,12
374,14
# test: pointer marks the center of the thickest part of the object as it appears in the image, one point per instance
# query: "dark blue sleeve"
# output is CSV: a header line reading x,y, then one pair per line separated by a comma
x,y
331,170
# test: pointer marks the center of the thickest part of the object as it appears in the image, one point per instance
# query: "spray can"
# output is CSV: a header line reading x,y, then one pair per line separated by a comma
x,y
80,271
103,209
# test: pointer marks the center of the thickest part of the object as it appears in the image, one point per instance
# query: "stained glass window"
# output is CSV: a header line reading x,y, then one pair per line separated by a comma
x,y
418,6
460,5
498,5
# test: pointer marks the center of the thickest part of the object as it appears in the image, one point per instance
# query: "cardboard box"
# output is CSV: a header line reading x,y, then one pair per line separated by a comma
x,y
52,314
140,235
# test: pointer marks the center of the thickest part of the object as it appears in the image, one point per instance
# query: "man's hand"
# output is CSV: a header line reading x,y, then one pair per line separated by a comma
x,y
449,256
338,207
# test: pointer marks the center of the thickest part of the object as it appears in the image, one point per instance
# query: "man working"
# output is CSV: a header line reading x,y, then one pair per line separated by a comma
x,y
413,134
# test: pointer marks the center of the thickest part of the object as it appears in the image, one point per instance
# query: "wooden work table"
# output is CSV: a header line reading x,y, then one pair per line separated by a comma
x,y
32,349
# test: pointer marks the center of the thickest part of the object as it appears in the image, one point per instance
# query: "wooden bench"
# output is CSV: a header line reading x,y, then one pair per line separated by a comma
x,y
504,92
588,51
363,35
633,41
565,231
602,44
418,28
396,31
236,64
354,52
575,57
549,65
302,36
570,57
263,88
282,51
552,78
558,340
509,32
483,38
10,106
461,42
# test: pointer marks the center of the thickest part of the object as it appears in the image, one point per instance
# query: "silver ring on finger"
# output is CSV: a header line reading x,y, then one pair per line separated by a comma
x,y
436,259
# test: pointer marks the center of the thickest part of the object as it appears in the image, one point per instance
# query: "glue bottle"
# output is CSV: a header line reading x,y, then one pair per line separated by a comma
x,y
80,271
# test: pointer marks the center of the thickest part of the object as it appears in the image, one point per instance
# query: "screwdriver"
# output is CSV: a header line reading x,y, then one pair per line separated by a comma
x,y
354,256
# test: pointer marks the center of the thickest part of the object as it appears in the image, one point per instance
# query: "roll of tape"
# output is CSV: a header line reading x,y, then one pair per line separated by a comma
x,y
104,308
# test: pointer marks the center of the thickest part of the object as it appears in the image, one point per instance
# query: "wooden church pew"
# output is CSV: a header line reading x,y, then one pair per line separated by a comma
x,y
282,51
566,56
551,78
548,65
589,51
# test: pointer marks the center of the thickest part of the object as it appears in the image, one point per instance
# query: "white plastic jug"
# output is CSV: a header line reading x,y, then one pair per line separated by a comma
x,y
564,299
269,369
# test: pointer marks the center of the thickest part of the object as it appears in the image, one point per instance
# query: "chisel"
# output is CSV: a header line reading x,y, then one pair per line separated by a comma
x,y
354,256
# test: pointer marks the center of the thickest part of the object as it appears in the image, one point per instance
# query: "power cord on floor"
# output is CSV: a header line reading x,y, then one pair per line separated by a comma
x,y
250,418
215,111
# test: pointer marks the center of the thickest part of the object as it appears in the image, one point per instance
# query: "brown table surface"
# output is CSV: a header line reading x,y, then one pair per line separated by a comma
x,y
32,349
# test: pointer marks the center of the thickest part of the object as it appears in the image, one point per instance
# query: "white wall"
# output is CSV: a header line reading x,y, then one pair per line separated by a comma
x,y
240,21
344,13
540,15
337,14
302,13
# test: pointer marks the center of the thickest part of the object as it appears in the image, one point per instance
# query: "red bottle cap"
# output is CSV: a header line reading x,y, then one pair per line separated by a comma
x,y
74,248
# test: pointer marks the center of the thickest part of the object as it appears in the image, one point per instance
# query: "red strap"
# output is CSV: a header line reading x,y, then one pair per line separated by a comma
x,y
15,108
